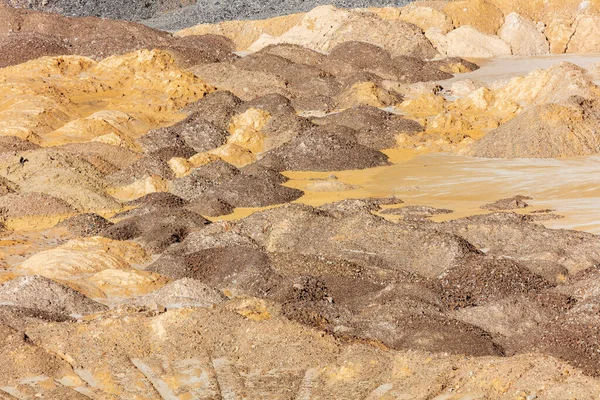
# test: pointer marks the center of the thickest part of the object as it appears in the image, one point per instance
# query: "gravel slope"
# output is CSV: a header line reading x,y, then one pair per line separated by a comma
x,y
179,14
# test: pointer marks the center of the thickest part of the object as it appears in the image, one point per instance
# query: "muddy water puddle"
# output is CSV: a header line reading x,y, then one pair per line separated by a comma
x,y
571,187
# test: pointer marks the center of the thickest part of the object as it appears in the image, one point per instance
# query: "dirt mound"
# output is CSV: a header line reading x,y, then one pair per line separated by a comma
x,y
210,206
20,47
153,163
515,236
546,131
183,293
85,225
374,59
200,179
478,281
217,107
242,270
319,150
55,173
101,155
156,230
254,191
325,27
33,204
37,292
574,338
303,229
9,144
374,128
295,53
224,186
51,34
20,318
194,132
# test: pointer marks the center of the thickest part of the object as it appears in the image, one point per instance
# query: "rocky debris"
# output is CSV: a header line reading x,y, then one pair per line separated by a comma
x,y
523,36
481,280
545,131
39,293
183,293
508,204
85,225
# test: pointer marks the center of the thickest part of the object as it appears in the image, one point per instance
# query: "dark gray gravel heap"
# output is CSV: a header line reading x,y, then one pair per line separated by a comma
x,y
179,14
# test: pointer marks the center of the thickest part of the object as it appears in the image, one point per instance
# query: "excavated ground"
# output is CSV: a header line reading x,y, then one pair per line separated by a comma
x,y
346,209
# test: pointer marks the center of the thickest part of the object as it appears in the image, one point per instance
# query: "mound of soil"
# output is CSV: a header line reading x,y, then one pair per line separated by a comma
x,y
183,293
512,235
374,128
200,179
319,150
33,204
10,144
20,318
478,281
242,269
85,225
104,157
45,295
157,230
152,163
246,190
210,206
194,132
545,131
295,53
38,34
216,107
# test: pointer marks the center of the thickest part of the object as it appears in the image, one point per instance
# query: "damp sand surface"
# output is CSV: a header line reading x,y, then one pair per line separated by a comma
x,y
494,69
570,186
